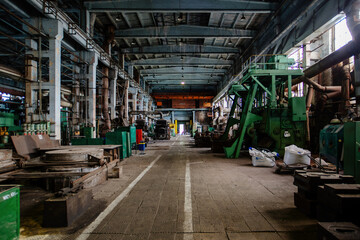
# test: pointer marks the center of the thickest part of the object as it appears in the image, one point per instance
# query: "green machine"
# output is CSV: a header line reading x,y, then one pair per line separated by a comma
x,y
132,134
352,149
268,118
331,142
9,212
119,138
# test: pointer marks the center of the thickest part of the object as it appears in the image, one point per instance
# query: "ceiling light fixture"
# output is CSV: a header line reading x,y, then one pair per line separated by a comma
x,y
229,42
180,17
182,83
181,58
118,18
133,43
242,17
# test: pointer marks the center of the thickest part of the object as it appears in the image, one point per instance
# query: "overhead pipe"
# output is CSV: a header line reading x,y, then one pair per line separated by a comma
x,y
347,51
353,22
10,72
308,105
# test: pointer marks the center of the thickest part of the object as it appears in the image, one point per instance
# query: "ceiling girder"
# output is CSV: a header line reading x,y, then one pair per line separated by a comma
x,y
184,31
185,49
181,61
183,77
180,70
228,6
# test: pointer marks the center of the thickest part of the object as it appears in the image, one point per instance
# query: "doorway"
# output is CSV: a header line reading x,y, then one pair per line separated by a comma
x,y
181,129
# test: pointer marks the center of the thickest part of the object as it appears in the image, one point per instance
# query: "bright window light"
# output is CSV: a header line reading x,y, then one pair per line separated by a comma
x,y
342,34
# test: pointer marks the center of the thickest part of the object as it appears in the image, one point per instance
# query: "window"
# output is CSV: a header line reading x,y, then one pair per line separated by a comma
x,y
342,34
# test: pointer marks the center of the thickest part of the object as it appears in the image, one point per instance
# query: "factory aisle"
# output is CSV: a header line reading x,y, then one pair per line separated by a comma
x,y
191,193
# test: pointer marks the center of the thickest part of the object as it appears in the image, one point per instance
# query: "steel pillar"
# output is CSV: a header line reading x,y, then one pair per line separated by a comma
x,y
131,71
55,30
126,100
112,88
31,75
150,105
134,99
172,117
92,58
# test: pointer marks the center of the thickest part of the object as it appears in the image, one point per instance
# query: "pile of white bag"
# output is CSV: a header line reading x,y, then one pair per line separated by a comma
x,y
262,158
295,155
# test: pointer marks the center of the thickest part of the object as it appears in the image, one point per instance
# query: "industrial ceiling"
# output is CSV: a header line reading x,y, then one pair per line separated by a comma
x,y
175,45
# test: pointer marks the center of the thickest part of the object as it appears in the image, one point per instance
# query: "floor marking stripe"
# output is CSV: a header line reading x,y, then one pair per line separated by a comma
x,y
188,224
87,231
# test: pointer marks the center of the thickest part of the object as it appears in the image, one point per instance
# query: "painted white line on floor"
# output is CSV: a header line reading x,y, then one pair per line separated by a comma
x,y
188,223
86,233
173,143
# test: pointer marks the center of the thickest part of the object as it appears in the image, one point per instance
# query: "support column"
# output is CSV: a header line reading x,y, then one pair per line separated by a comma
x,y
141,100
194,126
76,97
31,75
150,105
121,60
134,99
92,58
55,30
112,88
131,71
146,107
126,100
172,117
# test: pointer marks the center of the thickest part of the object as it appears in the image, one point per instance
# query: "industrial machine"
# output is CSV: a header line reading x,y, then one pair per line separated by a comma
x,y
270,116
162,130
352,149
331,142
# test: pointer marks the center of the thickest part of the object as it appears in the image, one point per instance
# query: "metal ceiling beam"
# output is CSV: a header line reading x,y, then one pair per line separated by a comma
x,y
180,70
181,61
228,6
181,49
186,82
183,77
184,31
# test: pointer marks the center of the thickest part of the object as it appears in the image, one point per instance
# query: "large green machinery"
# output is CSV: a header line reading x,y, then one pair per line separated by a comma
x,y
352,149
268,117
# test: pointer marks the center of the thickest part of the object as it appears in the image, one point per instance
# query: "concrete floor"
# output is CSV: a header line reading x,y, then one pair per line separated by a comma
x,y
191,193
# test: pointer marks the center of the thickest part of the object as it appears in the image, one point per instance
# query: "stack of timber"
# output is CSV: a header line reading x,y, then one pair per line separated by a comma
x,y
339,202
306,199
6,161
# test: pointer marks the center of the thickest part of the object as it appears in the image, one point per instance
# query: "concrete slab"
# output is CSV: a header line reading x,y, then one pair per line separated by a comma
x,y
230,199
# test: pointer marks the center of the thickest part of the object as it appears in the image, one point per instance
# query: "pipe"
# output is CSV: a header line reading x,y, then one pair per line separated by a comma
x,y
308,105
10,72
347,51
319,87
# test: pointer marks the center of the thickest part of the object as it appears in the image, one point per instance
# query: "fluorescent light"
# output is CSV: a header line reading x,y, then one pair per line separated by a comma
x,y
182,83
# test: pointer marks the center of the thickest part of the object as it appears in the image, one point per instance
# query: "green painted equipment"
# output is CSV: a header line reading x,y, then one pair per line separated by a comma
x,y
331,142
119,138
352,149
6,119
88,132
132,131
267,119
9,212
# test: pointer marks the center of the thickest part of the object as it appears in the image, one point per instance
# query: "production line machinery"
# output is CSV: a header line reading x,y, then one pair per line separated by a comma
x,y
270,117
